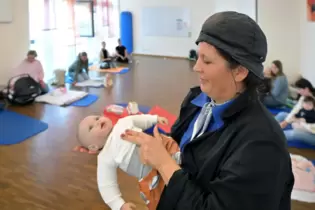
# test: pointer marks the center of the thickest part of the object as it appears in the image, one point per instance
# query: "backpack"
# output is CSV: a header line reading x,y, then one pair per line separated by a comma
x,y
24,91
193,56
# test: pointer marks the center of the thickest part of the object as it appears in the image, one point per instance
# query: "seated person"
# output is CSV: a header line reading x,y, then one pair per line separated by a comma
x,y
105,60
279,86
34,68
121,53
302,120
79,69
96,132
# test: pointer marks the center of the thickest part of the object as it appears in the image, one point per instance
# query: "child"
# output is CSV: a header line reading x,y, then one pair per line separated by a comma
x,y
307,113
96,132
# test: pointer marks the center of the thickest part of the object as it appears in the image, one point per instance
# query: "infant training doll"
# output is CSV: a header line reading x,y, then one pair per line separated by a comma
x,y
96,132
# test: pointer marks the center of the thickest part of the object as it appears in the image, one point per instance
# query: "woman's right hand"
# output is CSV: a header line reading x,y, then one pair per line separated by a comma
x,y
284,124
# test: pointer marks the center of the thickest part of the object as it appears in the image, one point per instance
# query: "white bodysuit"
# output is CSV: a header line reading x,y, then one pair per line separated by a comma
x,y
118,153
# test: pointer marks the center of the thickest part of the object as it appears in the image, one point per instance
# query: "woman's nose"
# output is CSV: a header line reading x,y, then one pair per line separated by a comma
x,y
197,66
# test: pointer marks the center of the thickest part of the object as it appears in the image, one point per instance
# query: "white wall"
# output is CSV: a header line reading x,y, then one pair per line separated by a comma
x,y
280,20
170,46
280,24
307,50
14,39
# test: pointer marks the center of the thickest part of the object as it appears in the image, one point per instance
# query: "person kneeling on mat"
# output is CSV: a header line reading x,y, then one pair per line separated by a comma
x,y
106,61
96,132
79,69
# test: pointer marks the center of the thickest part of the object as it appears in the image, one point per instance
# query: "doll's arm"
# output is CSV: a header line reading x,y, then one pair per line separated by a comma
x,y
143,121
107,180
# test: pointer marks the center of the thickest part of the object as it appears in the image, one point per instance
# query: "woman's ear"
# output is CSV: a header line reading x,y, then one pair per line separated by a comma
x,y
240,73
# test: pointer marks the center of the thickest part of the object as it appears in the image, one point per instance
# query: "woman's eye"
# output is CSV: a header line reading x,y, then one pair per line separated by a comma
x,y
97,118
90,127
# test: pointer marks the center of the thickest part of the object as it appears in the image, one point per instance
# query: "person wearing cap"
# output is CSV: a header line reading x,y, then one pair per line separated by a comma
x,y
233,152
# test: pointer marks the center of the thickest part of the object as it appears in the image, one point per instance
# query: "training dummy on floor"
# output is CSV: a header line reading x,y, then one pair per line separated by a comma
x,y
96,132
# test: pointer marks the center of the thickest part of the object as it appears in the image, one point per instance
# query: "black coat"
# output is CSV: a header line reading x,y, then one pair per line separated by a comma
x,y
244,165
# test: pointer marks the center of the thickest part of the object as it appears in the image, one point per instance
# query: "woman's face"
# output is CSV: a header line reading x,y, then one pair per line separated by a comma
x,y
216,79
30,58
83,58
304,92
274,69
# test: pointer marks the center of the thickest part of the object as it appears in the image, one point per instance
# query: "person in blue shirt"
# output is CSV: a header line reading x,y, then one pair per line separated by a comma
x,y
279,92
233,152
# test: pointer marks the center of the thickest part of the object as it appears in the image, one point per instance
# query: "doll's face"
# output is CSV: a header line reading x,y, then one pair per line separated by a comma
x,y
93,131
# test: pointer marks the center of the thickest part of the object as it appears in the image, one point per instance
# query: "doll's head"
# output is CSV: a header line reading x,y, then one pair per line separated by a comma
x,y
93,132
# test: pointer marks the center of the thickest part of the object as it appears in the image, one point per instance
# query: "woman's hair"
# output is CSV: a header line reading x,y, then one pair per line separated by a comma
x,y
278,64
83,54
32,53
251,81
304,83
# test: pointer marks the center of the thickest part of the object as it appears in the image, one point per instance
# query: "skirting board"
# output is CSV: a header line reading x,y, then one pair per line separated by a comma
x,y
160,56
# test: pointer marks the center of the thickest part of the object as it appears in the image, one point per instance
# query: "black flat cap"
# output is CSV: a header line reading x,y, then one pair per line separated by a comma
x,y
239,36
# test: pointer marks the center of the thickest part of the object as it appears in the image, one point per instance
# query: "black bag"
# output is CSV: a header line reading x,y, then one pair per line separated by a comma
x,y
25,90
193,55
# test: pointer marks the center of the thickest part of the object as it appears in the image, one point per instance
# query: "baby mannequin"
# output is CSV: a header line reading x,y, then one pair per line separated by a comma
x,y
96,132
304,174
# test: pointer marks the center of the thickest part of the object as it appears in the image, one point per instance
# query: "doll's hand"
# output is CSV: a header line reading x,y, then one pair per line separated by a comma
x,y
128,206
162,120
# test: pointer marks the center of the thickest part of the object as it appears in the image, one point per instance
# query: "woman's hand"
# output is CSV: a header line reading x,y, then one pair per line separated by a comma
x,y
152,151
283,124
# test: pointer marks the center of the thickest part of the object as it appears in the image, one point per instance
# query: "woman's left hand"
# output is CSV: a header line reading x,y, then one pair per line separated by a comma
x,y
152,150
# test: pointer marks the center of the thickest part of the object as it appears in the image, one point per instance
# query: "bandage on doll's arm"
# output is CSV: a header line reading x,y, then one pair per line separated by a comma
x,y
107,180
143,121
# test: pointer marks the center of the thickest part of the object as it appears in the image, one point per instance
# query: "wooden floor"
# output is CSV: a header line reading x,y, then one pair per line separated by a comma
x,y
43,172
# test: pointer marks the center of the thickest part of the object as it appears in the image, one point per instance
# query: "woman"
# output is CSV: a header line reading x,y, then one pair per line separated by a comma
x,y
79,69
279,86
121,53
233,152
34,68
105,59
307,134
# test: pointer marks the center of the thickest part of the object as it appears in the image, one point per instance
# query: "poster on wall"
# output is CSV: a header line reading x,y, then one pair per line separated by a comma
x,y
84,18
311,10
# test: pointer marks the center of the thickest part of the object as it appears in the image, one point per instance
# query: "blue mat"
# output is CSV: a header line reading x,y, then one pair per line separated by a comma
x,y
86,101
300,145
275,111
297,143
313,161
123,71
143,109
16,128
